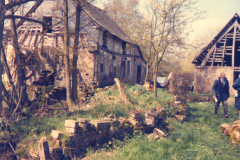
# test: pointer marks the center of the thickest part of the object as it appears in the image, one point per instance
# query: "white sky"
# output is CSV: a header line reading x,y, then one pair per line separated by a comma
x,y
219,12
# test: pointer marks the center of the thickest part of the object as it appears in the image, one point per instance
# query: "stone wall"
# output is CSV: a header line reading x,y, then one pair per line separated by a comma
x,y
205,76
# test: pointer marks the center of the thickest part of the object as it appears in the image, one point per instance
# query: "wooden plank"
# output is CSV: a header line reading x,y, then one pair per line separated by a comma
x,y
233,45
224,47
208,55
213,57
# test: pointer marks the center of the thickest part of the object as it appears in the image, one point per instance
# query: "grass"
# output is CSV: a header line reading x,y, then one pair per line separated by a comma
x,y
199,138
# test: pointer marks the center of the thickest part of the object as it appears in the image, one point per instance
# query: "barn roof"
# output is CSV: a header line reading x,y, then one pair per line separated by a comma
x,y
104,20
222,50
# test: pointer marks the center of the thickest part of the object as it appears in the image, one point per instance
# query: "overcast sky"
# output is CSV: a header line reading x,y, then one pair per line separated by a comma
x,y
219,12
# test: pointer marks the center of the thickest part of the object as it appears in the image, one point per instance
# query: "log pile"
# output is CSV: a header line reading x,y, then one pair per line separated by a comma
x,y
233,131
85,132
181,114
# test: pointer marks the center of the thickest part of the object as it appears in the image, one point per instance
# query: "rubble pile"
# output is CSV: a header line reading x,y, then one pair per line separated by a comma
x,y
85,91
84,132
45,85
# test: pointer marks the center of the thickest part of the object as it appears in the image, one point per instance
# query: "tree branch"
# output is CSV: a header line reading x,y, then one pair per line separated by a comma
x,y
16,3
27,19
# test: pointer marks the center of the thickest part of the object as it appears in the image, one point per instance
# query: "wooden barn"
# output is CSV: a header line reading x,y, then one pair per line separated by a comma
x,y
222,54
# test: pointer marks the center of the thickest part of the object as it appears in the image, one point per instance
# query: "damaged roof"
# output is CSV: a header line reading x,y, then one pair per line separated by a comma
x,y
215,52
104,20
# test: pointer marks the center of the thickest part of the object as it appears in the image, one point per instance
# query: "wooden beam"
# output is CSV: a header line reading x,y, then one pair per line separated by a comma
x,y
214,54
233,45
224,47
208,55
226,32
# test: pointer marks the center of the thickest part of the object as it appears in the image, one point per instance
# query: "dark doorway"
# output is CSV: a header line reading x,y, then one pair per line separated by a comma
x,y
123,69
236,73
138,74
237,54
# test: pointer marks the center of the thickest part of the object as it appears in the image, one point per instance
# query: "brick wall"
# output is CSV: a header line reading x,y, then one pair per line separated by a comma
x,y
205,76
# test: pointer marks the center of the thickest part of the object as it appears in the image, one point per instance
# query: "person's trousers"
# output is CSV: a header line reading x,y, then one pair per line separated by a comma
x,y
225,106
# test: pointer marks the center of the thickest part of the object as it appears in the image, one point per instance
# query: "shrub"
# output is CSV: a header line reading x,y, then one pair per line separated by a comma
x,y
181,83
138,88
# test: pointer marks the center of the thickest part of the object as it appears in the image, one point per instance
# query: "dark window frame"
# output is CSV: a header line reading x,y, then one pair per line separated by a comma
x,y
124,47
48,20
104,43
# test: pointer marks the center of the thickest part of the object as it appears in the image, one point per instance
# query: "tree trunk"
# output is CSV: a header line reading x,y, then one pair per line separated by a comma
x,y
66,54
146,74
19,61
2,13
155,83
9,76
75,52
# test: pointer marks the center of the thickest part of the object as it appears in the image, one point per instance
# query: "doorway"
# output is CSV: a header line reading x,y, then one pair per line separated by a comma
x,y
236,74
139,74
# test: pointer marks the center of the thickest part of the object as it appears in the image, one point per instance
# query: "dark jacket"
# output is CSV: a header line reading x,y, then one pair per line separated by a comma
x,y
236,85
220,91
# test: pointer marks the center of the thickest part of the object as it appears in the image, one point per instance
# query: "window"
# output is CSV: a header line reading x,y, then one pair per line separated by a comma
x,y
101,67
124,44
128,69
47,20
104,44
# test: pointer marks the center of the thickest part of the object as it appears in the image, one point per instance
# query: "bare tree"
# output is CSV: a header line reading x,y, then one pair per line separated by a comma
x,y
75,49
168,23
19,61
66,54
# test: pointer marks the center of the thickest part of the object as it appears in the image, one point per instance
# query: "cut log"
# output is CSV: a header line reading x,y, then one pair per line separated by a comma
x,y
43,149
56,134
135,114
159,132
181,118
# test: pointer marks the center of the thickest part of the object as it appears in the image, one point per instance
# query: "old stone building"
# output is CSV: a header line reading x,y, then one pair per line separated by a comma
x,y
104,52
222,54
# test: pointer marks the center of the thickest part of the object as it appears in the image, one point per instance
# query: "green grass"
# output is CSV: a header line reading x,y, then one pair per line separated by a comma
x,y
199,138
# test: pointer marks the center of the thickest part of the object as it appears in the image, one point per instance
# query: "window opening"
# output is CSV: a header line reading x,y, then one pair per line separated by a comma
x,y
128,71
47,20
124,44
104,44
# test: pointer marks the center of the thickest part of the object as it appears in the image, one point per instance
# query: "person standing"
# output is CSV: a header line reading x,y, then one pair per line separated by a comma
x,y
220,91
236,85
